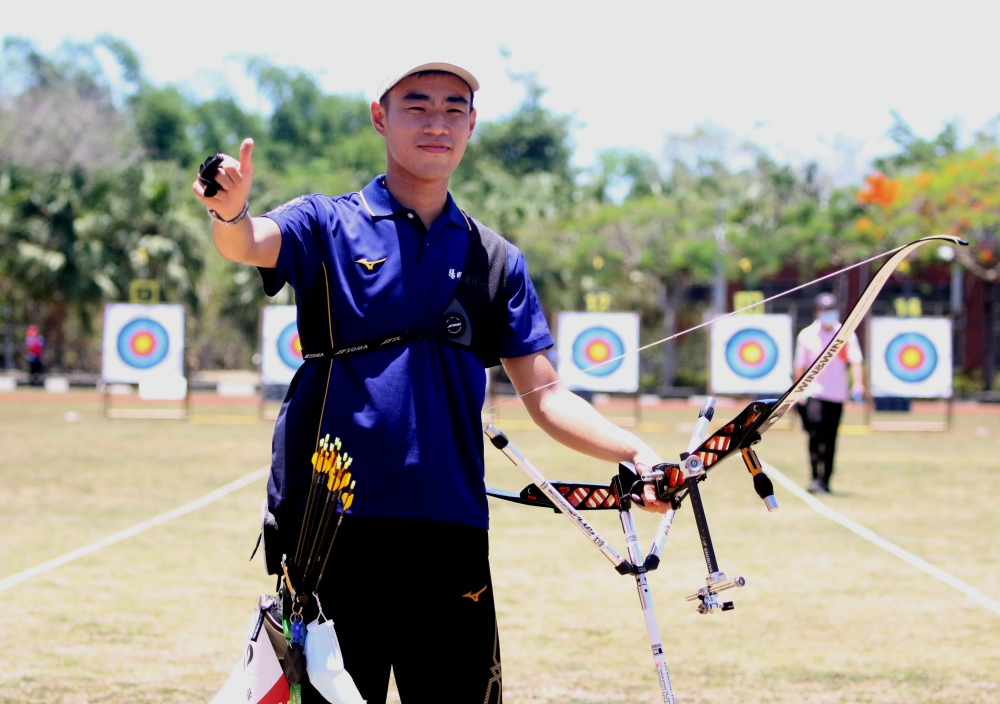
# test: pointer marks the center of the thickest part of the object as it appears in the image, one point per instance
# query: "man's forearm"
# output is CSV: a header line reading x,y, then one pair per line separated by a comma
x,y
253,241
573,422
234,242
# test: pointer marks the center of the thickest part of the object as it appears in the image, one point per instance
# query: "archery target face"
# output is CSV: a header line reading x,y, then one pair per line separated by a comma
x,y
751,354
281,348
587,340
911,357
142,342
596,345
290,346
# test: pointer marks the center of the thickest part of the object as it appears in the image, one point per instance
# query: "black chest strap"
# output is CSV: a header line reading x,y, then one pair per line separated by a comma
x,y
474,319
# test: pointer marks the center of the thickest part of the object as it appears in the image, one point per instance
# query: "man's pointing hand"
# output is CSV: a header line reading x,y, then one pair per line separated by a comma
x,y
234,178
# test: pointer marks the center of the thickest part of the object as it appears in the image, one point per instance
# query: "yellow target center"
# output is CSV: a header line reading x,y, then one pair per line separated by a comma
x,y
297,345
752,353
143,343
598,351
911,358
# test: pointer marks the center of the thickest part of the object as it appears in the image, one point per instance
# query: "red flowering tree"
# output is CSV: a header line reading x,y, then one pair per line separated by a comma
x,y
957,195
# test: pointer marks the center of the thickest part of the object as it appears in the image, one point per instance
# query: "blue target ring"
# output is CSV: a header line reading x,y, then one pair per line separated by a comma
x,y
290,346
751,353
911,357
143,343
596,345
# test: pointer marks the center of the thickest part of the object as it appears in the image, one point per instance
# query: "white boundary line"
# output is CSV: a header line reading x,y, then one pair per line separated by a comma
x,y
907,557
8,582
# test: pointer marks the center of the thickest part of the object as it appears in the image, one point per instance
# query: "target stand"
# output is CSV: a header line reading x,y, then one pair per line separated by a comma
x,y
913,426
143,345
176,390
910,358
280,356
269,395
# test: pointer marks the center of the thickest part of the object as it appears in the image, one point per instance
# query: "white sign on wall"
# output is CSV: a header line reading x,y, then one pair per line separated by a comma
x,y
751,354
281,349
587,340
142,342
911,357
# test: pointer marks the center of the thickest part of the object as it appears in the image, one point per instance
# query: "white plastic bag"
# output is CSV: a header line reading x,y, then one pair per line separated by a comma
x,y
325,664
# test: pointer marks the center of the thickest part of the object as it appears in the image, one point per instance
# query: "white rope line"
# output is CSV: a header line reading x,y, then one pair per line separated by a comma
x,y
699,326
872,537
8,582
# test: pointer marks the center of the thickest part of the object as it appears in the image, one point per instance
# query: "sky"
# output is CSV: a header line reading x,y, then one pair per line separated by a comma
x,y
806,80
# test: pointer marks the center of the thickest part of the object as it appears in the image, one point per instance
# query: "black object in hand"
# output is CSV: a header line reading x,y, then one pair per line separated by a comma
x,y
206,174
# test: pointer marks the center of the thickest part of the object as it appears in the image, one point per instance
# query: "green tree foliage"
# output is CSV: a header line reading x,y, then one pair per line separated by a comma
x,y
162,118
516,171
315,140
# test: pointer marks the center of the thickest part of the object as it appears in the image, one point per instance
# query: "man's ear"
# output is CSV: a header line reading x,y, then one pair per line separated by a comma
x,y
472,121
378,117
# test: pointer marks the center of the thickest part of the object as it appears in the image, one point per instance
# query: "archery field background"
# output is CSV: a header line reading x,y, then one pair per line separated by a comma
x,y
585,341
281,350
751,354
142,342
911,357
825,617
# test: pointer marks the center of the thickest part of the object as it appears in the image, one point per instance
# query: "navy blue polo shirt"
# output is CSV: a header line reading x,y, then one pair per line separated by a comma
x,y
363,266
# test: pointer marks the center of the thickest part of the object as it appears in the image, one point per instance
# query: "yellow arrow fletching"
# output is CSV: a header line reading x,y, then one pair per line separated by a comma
x,y
348,501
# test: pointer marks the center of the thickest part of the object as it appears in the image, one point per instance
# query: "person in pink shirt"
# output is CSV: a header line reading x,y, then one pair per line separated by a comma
x,y
825,397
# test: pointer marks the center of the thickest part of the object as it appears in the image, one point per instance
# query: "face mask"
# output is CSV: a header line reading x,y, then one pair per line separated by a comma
x,y
325,665
828,318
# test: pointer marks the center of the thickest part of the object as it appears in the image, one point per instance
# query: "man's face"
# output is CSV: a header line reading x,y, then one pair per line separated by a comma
x,y
427,125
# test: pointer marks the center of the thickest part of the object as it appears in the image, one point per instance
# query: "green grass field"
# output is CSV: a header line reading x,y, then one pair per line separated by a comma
x,y
825,616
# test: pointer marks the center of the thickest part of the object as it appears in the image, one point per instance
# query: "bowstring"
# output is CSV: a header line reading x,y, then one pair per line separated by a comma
x,y
699,326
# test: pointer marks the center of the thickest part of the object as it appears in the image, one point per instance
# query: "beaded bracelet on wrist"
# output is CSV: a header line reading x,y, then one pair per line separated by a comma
x,y
238,219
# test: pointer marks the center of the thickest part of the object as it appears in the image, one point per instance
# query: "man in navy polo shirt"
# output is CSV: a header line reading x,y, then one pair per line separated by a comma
x,y
411,589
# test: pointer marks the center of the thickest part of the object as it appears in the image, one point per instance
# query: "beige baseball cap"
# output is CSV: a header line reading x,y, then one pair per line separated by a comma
x,y
386,85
